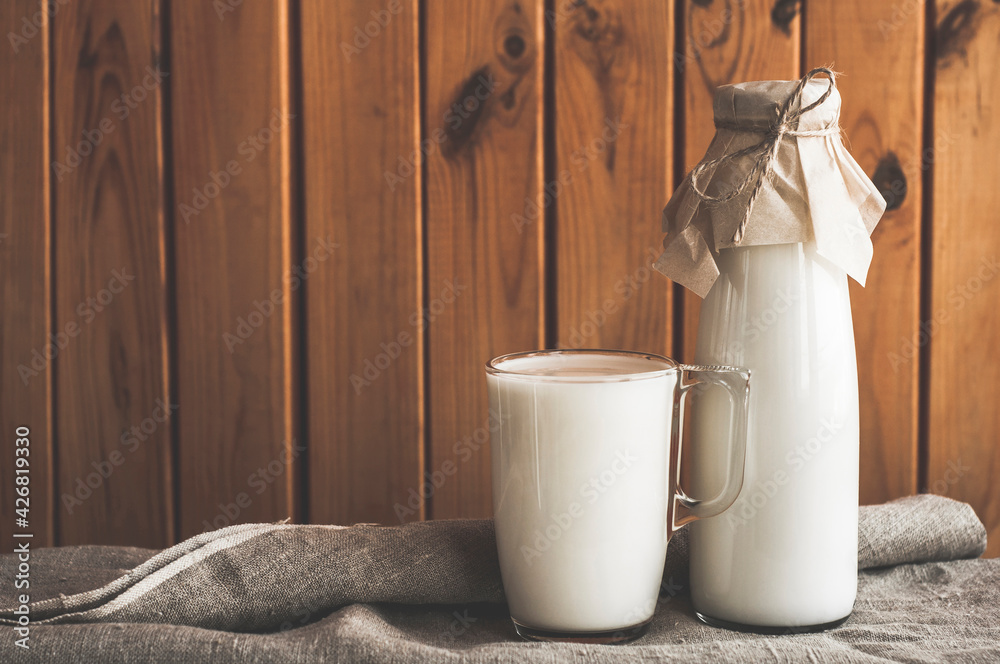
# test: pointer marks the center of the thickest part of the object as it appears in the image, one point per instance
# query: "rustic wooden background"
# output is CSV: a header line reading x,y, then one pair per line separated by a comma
x,y
255,254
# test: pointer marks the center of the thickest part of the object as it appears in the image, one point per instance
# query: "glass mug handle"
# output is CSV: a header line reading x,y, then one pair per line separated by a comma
x,y
736,382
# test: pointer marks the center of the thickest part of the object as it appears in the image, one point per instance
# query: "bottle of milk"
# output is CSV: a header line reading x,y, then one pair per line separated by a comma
x,y
767,229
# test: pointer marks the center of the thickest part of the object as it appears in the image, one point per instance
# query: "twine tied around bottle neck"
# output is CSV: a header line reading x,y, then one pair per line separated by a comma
x,y
766,151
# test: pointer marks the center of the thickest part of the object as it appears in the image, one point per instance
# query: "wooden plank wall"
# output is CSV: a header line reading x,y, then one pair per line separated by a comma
x,y
109,264
726,43
882,117
363,194
485,290
288,235
26,387
962,318
612,173
232,129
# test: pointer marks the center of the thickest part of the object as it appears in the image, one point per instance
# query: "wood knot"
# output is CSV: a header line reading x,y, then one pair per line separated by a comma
x,y
467,109
514,45
890,181
598,26
955,31
783,13
513,34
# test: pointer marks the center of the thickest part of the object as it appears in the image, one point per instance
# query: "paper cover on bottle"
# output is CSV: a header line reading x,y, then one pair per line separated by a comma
x,y
814,190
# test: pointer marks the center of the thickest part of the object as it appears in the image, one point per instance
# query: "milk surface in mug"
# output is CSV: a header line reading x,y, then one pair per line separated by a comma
x,y
582,467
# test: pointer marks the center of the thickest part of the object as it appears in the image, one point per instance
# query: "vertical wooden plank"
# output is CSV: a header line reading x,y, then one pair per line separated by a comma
x,y
613,169
110,379
232,129
882,116
365,340
25,390
724,43
964,421
484,280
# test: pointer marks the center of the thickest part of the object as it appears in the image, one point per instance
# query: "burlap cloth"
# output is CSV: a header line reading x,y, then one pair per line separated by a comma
x,y
431,592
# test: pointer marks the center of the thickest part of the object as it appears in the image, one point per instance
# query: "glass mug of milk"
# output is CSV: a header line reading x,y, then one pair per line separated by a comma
x,y
585,469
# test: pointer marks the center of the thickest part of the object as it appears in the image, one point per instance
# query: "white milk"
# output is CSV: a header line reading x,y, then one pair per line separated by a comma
x,y
785,554
580,489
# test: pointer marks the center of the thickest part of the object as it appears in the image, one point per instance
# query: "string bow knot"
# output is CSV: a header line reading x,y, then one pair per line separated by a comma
x,y
766,151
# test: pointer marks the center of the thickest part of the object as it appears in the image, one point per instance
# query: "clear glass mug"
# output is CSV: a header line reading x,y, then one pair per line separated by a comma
x,y
585,483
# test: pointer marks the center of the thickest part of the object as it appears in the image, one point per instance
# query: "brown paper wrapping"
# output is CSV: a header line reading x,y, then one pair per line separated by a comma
x,y
816,192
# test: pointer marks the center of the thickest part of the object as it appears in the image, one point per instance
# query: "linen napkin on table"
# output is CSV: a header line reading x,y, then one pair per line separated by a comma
x,y
258,577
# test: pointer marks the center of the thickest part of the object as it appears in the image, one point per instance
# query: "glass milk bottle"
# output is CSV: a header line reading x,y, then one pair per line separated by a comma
x,y
785,554
767,228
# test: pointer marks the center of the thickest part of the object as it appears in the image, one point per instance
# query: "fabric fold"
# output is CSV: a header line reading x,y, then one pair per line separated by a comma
x,y
259,577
